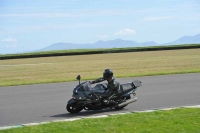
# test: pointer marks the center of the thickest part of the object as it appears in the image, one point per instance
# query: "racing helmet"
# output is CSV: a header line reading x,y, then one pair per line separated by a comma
x,y
107,74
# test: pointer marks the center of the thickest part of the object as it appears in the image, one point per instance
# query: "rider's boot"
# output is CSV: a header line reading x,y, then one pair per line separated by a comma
x,y
110,103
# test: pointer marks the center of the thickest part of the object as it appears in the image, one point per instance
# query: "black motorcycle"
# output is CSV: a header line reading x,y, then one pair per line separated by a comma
x,y
86,97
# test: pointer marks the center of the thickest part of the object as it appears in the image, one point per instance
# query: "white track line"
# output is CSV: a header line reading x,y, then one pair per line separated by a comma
x,y
101,116
197,106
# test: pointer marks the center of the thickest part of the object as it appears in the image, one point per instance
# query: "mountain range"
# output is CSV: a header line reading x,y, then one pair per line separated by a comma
x,y
119,43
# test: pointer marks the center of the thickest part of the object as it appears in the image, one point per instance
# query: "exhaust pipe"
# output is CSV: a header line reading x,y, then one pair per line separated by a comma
x,y
127,102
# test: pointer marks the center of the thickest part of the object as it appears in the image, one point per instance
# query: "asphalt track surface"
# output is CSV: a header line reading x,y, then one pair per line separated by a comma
x,y
46,102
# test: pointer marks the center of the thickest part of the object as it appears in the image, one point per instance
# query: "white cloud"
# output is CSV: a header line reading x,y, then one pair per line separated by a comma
x,y
125,32
157,18
9,40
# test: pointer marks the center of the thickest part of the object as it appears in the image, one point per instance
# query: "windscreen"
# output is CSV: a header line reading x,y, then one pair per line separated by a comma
x,y
86,86
100,87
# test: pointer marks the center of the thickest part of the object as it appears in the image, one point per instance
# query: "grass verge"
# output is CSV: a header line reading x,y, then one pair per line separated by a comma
x,y
66,68
182,120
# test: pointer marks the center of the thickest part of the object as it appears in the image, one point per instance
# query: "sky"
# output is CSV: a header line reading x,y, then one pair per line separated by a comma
x,y
27,25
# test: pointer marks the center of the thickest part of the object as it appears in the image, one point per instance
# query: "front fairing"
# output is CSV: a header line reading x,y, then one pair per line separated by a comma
x,y
80,91
83,90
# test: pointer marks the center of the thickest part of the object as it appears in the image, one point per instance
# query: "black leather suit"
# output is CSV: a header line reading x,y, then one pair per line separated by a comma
x,y
113,86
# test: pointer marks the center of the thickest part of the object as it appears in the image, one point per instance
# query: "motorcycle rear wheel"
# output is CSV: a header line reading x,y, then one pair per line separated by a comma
x,y
73,109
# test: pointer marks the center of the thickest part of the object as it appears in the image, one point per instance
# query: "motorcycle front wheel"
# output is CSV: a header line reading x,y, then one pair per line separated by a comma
x,y
73,108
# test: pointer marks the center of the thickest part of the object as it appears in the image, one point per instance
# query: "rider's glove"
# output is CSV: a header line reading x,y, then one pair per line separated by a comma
x,y
91,82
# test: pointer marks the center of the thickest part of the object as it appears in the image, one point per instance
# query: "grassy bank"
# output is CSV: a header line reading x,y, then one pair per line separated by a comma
x,y
66,68
173,121
95,51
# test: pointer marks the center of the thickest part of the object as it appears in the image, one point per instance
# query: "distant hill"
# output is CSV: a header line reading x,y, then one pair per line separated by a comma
x,y
186,40
119,43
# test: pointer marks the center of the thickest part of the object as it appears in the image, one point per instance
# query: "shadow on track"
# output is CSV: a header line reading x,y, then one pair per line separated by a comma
x,y
90,113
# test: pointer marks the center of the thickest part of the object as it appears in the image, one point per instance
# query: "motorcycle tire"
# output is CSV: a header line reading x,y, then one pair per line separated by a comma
x,y
71,108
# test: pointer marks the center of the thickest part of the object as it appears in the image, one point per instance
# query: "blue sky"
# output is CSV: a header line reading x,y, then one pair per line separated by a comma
x,y
27,25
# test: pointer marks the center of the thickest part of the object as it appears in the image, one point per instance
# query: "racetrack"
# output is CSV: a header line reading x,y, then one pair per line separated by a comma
x,y
45,102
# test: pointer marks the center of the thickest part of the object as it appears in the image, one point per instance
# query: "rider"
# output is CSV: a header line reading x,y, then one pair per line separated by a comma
x,y
113,85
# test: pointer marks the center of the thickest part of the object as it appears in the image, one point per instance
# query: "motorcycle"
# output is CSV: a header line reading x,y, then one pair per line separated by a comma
x,y
86,97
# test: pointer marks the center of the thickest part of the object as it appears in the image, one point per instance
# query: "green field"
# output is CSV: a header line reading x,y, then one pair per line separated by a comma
x,y
173,121
66,68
